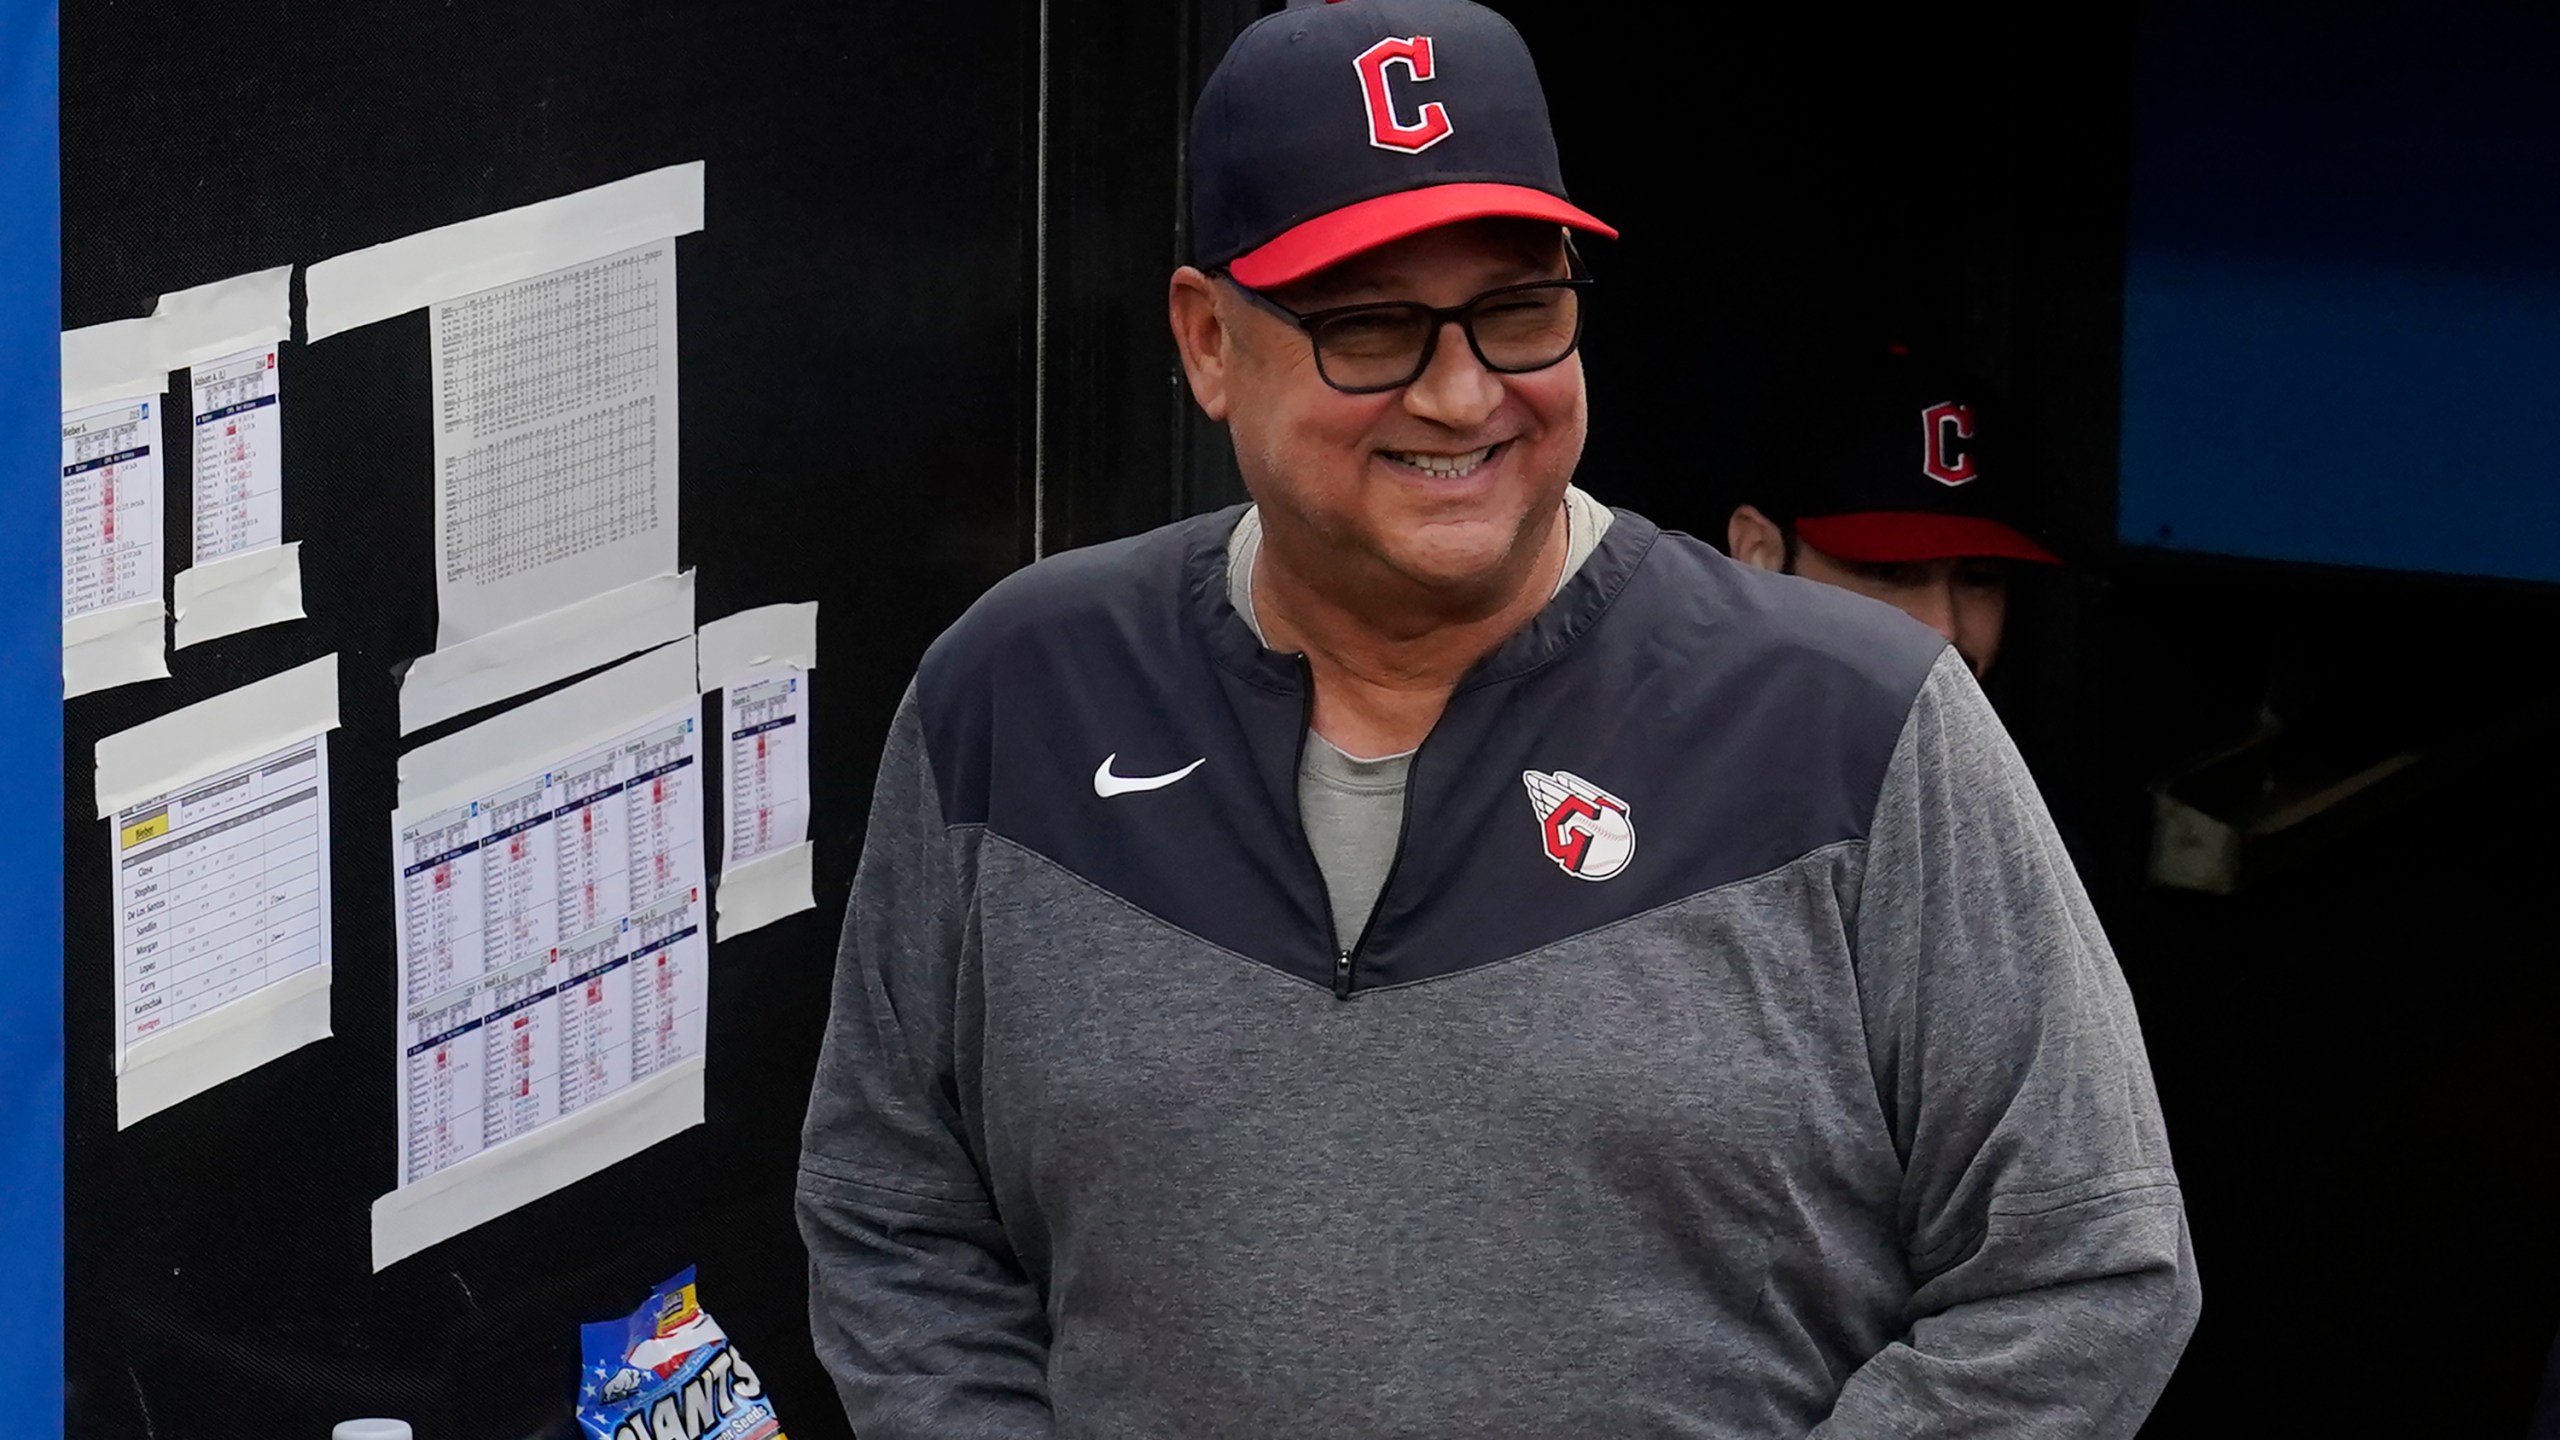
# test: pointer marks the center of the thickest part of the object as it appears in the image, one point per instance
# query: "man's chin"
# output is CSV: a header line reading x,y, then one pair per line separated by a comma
x,y
1465,570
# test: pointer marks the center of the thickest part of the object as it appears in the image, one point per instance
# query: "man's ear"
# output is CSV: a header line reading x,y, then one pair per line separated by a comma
x,y
1201,334
1755,539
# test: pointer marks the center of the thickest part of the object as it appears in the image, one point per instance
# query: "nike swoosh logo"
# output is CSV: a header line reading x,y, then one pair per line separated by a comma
x,y
1106,784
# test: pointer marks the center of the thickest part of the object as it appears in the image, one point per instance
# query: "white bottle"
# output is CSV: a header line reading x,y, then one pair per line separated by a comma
x,y
371,1430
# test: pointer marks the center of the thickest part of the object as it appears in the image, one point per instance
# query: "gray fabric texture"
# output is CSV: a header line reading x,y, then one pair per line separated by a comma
x,y
1354,813
1352,806
1862,1146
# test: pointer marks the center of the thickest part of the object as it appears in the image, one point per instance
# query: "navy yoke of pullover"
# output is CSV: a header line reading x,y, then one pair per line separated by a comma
x,y
1824,1113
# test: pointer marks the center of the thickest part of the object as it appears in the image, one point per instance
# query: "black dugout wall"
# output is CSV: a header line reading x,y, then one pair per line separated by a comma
x,y
869,391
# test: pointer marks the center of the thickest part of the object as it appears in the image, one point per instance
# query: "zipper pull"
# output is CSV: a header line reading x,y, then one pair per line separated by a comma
x,y
1342,975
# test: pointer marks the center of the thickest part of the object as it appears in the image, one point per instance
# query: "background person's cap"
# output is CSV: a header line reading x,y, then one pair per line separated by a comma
x,y
1330,129
1892,461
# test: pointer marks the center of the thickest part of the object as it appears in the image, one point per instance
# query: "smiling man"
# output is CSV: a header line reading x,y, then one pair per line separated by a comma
x,y
1883,478
1313,973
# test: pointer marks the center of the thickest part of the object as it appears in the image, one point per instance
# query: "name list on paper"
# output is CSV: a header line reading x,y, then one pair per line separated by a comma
x,y
767,794
110,507
552,947
222,889
239,455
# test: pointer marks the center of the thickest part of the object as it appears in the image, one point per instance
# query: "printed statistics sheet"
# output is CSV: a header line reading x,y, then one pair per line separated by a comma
x,y
111,507
767,790
239,455
760,661
222,890
555,439
552,943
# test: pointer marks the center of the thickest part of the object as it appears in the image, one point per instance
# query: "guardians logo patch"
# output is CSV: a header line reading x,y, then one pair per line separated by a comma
x,y
1586,830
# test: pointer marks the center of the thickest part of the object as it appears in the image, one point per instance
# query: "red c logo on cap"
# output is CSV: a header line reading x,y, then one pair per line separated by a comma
x,y
1946,452
1413,52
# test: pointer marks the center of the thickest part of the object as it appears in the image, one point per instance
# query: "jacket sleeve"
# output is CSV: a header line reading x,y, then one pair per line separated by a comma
x,y
2040,1216
918,1306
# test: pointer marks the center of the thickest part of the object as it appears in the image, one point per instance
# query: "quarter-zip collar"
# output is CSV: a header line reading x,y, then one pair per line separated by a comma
x,y
1276,725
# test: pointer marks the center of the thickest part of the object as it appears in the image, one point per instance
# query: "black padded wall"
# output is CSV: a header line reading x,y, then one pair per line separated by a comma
x,y
856,420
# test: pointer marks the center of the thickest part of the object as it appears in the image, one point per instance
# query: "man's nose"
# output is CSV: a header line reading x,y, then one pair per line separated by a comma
x,y
1455,389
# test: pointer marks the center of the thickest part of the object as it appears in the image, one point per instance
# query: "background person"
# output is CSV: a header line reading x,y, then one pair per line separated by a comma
x,y
1887,478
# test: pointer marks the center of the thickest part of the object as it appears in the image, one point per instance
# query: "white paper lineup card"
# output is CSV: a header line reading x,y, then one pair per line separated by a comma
x,y
245,573
551,943
767,795
552,355
222,890
111,508
552,947
760,661
555,439
218,839
114,625
239,455
226,336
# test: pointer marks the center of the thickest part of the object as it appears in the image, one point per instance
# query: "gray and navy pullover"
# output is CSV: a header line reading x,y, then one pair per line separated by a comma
x,y
1731,1051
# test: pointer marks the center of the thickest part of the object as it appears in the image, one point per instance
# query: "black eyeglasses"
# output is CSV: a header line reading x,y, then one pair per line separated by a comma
x,y
1363,349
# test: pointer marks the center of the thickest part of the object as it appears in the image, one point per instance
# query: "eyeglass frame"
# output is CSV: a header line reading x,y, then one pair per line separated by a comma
x,y
1577,279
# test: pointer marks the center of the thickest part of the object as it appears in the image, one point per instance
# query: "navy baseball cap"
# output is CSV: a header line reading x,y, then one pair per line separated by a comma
x,y
1330,129
1891,461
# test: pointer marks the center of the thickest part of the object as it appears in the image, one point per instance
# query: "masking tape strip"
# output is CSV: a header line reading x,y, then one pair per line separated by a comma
x,y
518,742
735,646
534,652
239,592
415,271
224,1045
764,890
208,322
115,647
114,361
530,1166
230,729
131,359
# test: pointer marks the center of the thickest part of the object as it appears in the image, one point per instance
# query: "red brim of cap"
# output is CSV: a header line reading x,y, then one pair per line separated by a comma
x,y
1893,537
1336,236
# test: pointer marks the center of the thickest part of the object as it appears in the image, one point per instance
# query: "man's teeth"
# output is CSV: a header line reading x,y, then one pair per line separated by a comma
x,y
1450,465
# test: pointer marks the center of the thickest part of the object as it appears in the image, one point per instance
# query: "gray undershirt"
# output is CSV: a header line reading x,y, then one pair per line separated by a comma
x,y
1353,808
